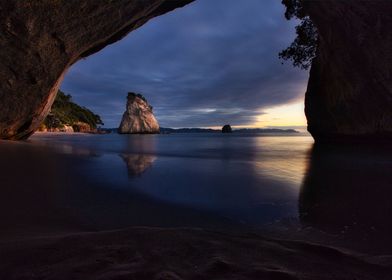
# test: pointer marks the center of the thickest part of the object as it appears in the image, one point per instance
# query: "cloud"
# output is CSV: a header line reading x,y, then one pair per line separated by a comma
x,y
220,55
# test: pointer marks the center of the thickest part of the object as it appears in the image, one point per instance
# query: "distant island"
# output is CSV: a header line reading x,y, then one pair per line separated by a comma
x,y
241,130
67,116
167,130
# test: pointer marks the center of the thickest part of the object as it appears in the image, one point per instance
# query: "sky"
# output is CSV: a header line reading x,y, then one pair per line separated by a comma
x,y
205,65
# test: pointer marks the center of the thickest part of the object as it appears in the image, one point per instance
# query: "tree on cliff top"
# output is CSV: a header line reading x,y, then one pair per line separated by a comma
x,y
133,94
302,51
65,112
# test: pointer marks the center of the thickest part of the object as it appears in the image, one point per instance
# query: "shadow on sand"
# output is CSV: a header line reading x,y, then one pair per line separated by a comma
x,y
347,192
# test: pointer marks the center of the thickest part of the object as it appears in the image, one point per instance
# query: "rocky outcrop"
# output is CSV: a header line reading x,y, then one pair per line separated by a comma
x,y
65,128
40,40
138,117
349,95
227,129
83,127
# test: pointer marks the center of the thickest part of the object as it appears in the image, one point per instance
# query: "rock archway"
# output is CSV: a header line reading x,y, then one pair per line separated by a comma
x,y
40,40
349,94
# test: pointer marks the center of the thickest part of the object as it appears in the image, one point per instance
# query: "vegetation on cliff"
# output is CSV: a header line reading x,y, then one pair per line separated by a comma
x,y
133,95
303,49
65,112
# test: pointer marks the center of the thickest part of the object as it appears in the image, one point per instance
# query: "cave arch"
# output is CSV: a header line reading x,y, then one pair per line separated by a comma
x,y
349,95
46,38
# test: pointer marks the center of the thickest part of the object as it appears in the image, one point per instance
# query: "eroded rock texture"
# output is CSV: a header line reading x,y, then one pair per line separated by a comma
x,y
39,40
349,95
138,117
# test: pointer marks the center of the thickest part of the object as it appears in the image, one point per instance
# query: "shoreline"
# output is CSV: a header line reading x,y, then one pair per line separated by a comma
x,y
47,133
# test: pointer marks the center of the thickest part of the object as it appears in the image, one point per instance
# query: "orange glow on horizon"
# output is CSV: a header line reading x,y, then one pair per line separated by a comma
x,y
291,114
287,115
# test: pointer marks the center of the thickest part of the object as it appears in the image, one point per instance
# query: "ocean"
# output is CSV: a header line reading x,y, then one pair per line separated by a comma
x,y
250,179
86,182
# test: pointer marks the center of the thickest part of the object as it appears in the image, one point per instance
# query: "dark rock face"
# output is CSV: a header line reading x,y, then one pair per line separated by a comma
x,y
226,129
40,40
138,117
349,95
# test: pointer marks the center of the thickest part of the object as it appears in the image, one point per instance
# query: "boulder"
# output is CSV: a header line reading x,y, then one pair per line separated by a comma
x,y
82,127
227,129
67,129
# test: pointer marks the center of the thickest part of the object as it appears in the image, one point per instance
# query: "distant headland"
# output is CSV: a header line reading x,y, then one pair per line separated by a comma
x,y
241,130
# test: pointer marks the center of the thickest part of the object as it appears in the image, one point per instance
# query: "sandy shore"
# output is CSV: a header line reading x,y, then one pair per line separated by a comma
x,y
46,133
154,253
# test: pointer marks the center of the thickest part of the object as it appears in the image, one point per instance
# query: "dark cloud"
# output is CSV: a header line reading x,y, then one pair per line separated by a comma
x,y
209,63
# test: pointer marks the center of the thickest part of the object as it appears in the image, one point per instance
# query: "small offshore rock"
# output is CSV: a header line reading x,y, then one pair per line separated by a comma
x,y
227,129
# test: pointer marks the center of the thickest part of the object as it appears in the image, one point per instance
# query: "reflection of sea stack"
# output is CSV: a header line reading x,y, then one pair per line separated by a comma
x,y
137,164
138,116
226,129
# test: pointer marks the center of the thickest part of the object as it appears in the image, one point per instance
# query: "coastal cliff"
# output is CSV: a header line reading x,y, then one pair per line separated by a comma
x,y
138,117
67,116
349,94
40,40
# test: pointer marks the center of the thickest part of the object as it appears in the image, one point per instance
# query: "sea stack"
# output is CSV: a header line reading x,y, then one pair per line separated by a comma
x,y
138,117
227,129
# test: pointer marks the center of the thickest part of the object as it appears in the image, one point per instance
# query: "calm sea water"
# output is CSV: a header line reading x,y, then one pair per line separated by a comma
x,y
249,179
96,182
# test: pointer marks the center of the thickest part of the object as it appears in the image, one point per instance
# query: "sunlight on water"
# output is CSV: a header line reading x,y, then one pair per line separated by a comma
x,y
283,158
250,178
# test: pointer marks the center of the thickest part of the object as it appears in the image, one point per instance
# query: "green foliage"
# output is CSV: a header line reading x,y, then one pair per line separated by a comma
x,y
66,112
302,51
294,9
132,94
